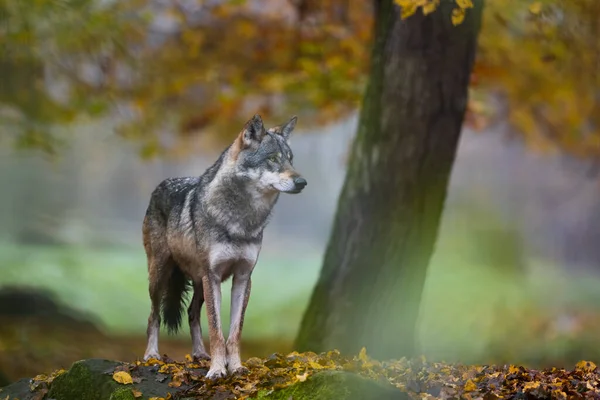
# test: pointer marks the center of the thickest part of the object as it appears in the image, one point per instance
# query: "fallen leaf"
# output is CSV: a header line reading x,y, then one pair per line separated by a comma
x,y
470,386
531,385
136,393
362,356
122,377
586,366
302,377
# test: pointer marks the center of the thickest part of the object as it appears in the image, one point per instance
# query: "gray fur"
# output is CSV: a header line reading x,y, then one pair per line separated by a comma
x,y
205,229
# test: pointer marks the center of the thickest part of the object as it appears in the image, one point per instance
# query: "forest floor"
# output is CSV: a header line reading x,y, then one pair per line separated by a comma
x,y
29,347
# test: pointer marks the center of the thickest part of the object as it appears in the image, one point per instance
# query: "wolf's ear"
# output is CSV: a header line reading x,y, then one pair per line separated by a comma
x,y
286,129
253,132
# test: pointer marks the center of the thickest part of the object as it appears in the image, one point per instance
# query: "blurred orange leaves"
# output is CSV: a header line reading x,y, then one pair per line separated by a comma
x,y
201,74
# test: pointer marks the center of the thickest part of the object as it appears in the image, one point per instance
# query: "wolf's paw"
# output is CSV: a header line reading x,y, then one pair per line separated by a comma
x,y
216,372
201,356
241,370
151,355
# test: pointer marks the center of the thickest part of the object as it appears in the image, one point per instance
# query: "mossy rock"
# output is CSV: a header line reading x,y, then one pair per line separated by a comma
x,y
3,379
336,385
92,380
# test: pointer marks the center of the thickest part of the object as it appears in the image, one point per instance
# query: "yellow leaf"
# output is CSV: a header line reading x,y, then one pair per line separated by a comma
x,y
315,365
188,358
408,9
535,7
531,385
302,377
470,386
362,356
458,16
559,394
464,3
136,393
513,370
404,3
430,7
586,366
122,377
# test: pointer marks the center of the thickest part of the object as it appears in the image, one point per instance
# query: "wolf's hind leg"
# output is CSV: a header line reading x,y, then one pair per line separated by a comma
x,y
194,311
159,268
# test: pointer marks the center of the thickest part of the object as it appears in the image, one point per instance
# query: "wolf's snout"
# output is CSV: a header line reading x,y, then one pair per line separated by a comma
x,y
300,183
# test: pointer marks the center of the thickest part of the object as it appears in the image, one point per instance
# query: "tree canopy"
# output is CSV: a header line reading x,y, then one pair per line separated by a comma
x,y
167,71
174,68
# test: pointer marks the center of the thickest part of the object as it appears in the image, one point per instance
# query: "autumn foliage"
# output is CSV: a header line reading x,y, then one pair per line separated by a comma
x,y
203,71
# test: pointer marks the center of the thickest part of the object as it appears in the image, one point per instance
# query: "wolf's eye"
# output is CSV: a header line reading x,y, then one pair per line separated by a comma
x,y
274,158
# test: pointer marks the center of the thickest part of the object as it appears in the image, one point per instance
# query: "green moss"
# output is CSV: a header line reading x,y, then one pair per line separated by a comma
x,y
335,385
86,380
122,394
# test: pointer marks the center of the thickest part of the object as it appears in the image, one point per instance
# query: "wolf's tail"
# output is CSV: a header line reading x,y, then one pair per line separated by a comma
x,y
173,300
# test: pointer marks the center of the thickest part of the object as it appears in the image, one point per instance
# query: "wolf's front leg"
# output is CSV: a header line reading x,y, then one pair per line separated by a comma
x,y
212,296
152,335
240,293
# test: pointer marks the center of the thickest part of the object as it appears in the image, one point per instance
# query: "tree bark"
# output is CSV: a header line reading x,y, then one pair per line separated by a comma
x,y
389,210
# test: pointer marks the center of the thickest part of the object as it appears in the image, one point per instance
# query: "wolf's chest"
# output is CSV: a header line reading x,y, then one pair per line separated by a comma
x,y
225,253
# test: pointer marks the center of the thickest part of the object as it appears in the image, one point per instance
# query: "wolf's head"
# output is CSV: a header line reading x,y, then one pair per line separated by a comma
x,y
265,157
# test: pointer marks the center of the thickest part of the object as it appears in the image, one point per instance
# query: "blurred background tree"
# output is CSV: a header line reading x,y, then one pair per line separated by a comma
x,y
170,69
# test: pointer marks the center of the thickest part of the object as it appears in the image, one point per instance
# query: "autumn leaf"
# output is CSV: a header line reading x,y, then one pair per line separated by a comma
x,y
535,7
531,385
122,377
302,377
586,366
458,16
464,3
470,386
136,393
408,8
430,6
362,355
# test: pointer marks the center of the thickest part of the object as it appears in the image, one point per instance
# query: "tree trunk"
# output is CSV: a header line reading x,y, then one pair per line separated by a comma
x,y
386,225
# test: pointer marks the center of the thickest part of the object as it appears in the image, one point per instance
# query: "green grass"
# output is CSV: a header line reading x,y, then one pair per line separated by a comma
x,y
469,312
112,285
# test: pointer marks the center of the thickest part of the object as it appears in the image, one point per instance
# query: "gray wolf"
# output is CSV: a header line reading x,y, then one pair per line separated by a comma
x,y
199,231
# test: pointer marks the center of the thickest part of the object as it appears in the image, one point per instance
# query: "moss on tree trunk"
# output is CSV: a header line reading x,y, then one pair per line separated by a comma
x,y
383,235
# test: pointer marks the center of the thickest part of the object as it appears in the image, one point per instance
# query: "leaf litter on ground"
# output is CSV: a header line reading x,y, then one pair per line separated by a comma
x,y
420,378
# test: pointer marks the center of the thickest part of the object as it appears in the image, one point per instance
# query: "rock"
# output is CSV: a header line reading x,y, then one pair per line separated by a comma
x,y
17,390
92,380
3,379
40,304
336,385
